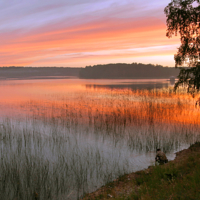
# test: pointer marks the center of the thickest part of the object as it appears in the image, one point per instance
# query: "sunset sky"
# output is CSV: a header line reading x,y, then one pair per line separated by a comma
x,y
76,33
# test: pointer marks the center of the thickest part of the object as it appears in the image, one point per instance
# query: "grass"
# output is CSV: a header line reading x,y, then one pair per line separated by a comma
x,y
51,163
174,181
147,119
177,180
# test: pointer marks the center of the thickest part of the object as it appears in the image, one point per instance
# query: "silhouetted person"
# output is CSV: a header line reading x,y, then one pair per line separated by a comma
x,y
160,157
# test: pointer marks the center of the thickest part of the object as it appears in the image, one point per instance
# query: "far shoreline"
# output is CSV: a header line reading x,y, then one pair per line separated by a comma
x,y
76,77
38,78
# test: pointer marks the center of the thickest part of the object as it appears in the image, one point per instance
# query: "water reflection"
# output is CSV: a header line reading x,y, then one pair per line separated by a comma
x,y
140,84
136,86
83,130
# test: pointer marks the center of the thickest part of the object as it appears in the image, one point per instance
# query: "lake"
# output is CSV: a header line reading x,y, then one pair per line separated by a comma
x,y
61,138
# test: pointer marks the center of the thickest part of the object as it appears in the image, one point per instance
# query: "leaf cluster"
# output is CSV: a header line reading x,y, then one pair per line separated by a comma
x,y
189,77
183,17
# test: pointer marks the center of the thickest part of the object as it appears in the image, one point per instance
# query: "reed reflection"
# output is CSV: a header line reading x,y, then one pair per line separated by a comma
x,y
90,135
132,86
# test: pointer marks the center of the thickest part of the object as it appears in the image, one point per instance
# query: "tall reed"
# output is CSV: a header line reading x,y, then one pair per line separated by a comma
x,y
64,148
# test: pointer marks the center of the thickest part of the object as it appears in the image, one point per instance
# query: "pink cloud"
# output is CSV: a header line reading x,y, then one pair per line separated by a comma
x,y
50,41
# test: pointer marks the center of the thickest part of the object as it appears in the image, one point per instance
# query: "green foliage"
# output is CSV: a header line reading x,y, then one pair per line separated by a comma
x,y
195,145
101,196
139,181
171,174
183,17
134,197
190,77
122,177
171,181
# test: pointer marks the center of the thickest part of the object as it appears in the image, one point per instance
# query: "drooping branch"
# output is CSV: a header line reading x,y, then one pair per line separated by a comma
x,y
183,19
189,77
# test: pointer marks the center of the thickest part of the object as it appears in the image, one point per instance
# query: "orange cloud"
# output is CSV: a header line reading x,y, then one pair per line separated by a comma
x,y
46,46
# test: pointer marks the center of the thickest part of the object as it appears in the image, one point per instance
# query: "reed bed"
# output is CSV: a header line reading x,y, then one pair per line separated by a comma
x,y
63,148
40,162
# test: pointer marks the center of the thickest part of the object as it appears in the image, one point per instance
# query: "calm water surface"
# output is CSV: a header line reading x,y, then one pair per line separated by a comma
x,y
15,93
22,98
105,119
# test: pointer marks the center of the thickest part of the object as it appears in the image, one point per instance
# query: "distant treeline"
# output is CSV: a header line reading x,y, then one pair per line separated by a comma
x,y
37,72
127,71
109,71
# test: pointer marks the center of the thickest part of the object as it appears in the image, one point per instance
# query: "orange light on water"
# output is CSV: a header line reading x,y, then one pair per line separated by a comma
x,y
85,102
119,107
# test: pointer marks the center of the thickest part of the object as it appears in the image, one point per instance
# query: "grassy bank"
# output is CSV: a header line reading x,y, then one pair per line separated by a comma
x,y
178,179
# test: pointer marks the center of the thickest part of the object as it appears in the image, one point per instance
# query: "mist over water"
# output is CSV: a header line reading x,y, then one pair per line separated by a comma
x,y
85,133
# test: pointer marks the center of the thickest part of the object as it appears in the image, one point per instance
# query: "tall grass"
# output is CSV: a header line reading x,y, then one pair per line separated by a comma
x,y
179,180
64,148
39,162
143,119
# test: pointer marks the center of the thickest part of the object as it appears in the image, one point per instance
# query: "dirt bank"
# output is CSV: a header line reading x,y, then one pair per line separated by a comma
x,y
129,185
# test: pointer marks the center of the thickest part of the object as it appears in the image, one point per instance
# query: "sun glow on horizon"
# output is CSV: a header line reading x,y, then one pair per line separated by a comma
x,y
107,32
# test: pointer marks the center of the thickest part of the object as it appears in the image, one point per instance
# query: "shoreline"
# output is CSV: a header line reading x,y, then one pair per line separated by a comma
x,y
37,78
126,185
77,77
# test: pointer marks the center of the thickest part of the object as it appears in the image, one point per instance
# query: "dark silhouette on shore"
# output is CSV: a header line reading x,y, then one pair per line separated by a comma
x,y
37,72
109,71
127,71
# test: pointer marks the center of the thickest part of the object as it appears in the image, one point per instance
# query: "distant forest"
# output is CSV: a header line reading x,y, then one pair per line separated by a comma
x,y
127,71
37,72
109,71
